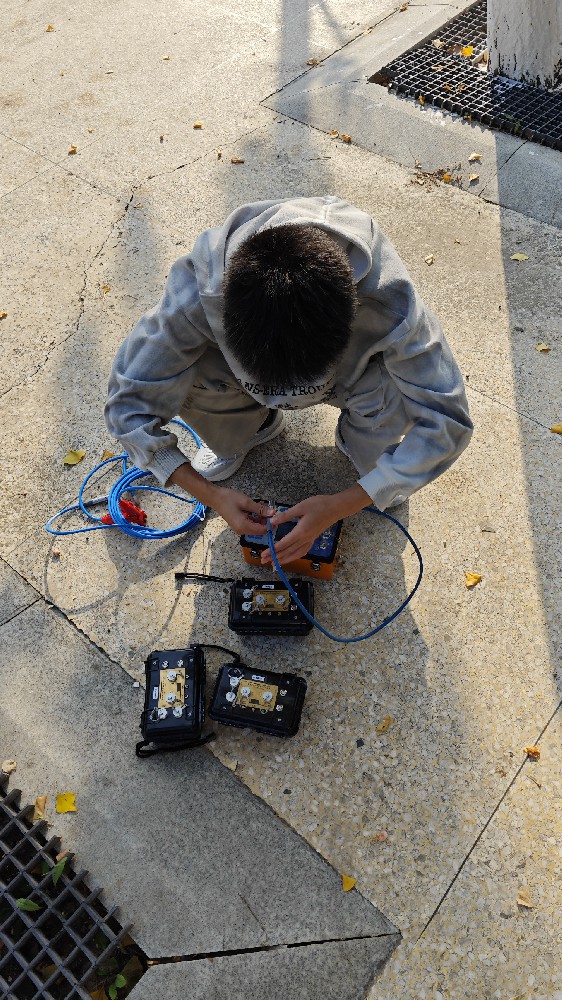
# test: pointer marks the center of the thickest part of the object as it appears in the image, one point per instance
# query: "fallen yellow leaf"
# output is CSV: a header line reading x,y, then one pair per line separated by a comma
x,y
436,68
345,137
348,882
165,59
72,150
533,752
312,62
106,455
73,457
49,27
385,725
3,314
105,289
66,802
404,7
236,159
334,134
474,177
471,579
421,99
544,348
467,51
519,256
524,899
39,808
438,44
197,124
556,428
474,157
430,258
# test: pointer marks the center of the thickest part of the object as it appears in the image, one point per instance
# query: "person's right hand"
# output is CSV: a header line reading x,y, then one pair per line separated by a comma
x,y
237,509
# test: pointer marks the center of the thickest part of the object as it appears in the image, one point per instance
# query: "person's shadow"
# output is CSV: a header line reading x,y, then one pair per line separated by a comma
x,y
350,686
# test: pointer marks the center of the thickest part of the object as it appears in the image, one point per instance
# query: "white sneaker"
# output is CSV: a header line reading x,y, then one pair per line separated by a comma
x,y
340,443
215,469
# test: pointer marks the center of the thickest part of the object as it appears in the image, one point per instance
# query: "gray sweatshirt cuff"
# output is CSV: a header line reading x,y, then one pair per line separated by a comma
x,y
381,490
165,462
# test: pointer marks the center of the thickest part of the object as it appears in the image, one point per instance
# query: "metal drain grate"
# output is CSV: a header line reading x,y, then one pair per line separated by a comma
x,y
53,952
441,75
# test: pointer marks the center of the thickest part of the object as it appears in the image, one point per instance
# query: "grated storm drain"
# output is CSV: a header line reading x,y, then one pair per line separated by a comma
x,y
55,949
437,72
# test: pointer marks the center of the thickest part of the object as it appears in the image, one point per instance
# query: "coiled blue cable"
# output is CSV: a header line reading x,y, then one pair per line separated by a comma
x,y
312,619
124,484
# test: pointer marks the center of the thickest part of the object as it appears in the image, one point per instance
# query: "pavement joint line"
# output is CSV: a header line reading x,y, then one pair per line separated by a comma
x,y
501,402
385,16
198,956
6,621
485,827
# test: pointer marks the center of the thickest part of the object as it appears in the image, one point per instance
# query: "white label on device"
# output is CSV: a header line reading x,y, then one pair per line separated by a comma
x,y
155,693
257,677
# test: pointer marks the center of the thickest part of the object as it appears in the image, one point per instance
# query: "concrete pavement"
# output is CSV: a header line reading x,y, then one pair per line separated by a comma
x,y
469,677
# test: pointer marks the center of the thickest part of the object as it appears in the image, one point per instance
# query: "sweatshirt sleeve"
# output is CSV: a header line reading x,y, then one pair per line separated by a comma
x,y
420,363
152,374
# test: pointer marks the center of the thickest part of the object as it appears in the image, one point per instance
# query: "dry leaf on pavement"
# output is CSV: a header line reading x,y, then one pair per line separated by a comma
x,y
345,137
430,258
520,256
49,27
348,882
3,314
379,838
334,134
467,51
471,579
236,159
73,149
165,58
106,455
475,157
421,99
438,44
533,752
8,766
66,802
556,428
105,289
474,177
72,457
543,348
312,62
39,808
524,899
197,124
385,725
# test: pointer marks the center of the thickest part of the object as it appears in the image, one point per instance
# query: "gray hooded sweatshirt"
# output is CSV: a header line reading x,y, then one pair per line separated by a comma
x,y
155,366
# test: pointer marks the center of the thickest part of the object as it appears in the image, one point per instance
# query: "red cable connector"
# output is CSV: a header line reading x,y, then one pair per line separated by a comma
x,y
131,513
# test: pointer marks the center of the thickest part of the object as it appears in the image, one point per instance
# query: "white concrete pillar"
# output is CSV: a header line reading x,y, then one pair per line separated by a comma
x,y
525,41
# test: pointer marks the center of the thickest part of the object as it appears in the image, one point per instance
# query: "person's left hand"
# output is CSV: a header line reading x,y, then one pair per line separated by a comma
x,y
314,514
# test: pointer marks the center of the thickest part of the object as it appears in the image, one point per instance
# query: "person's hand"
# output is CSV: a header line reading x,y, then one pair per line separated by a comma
x,y
314,515
244,515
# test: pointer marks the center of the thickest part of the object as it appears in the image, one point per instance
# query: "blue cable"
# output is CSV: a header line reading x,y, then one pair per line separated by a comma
x,y
312,619
125,484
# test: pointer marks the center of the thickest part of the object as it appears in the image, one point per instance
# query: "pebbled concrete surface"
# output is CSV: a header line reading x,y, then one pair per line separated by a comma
x,y
194,860
469,677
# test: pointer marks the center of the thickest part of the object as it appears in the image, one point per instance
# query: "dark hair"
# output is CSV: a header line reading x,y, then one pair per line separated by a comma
x,y
289,301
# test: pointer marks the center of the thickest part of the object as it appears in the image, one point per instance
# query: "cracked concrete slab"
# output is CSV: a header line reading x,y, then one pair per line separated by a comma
x,y
15,593
338,95
341,970
482,942
194,860
46,249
